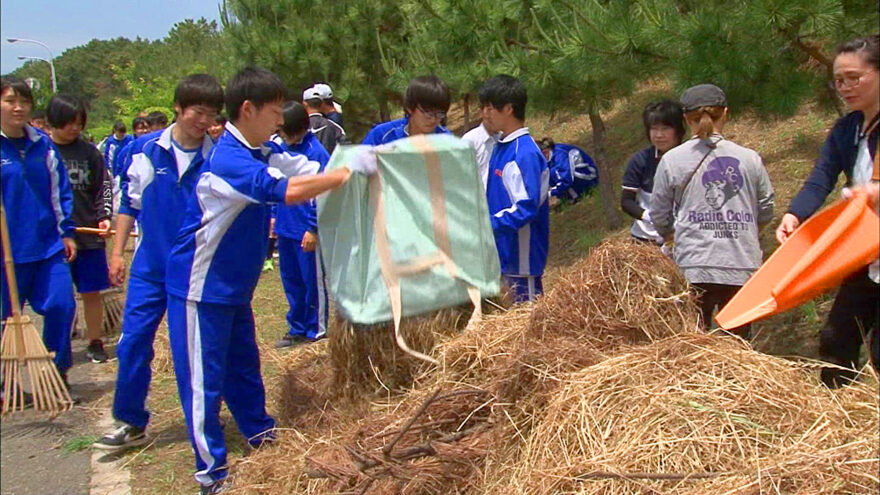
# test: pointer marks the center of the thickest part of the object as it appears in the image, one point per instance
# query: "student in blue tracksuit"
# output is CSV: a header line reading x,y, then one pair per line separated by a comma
x,y
38,202
296,227
114,143
215,264
426,102
140,127
516,189
155,186
572,171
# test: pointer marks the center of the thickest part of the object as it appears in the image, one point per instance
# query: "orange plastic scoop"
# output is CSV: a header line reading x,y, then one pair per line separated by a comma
x,y
827,248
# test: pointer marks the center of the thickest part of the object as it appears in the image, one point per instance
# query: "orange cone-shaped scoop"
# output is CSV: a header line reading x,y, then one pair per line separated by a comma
x,y
818,256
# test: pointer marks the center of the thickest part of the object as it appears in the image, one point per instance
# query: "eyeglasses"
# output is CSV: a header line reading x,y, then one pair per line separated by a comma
x,y
436,114
849,81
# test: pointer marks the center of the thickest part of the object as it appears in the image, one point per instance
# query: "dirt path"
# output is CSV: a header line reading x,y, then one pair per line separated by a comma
x,y
50,457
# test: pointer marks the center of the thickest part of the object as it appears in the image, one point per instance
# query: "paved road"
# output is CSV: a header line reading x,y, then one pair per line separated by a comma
x,y
33,460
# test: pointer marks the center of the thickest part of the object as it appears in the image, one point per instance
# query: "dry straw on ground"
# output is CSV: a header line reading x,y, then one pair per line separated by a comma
x,y
366,359
701,414
604,376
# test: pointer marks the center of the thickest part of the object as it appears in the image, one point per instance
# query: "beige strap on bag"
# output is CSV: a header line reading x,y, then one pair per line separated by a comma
x,y
392,272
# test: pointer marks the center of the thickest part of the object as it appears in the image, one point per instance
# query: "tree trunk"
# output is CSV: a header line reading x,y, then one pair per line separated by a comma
x,y
467,113
384,116
606,187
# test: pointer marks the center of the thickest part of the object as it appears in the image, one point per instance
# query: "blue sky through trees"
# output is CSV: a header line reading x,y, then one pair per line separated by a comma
x,y
63,24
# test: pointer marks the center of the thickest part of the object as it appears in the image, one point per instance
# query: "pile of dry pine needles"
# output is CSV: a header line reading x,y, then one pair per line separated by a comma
x,y
604,385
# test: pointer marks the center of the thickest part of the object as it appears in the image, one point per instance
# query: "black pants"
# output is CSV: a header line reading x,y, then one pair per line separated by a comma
x,y
856,310
271,247
711,296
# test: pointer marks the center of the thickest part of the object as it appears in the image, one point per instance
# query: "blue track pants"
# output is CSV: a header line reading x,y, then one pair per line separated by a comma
x,y
144,308
48,287
216,357
302,276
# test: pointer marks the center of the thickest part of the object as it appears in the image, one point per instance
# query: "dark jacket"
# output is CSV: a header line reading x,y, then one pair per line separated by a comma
x,y
838,155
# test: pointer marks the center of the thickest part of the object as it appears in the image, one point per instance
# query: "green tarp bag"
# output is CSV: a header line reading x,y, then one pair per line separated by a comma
x,y
415,237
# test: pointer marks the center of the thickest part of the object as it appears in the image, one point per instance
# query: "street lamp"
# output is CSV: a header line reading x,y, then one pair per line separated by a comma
x,y
51,65
23,57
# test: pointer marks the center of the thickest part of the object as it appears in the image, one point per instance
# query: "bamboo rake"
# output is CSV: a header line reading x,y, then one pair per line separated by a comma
x,y
22,348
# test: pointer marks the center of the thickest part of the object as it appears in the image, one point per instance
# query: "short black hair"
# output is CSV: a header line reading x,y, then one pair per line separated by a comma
x,y
199,89
157,118
220,119
502,90
64,108
38,114
868,46
296,119
18,85
664,112
135,122
313,102
427,92
254,84
327,101
119,126
546,144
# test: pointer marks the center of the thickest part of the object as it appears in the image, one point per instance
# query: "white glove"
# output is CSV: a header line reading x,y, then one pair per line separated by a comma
x,y
364,161
646,216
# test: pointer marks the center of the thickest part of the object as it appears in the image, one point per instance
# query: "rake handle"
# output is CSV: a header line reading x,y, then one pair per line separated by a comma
x,y
9,263
91,230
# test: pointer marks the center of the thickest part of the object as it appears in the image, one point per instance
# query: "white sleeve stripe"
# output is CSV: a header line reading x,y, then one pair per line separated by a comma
x,y
627,188
513,182
54,188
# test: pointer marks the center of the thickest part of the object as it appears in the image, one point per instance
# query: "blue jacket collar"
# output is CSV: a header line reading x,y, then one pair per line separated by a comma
x,y
32,134
522,131
165,141
237,135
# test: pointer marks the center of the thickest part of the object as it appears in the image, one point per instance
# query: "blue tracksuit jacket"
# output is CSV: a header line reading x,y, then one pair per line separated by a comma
x,y
112,146
154,194
219,252
517,191
292,221
37,197
572,171
392,131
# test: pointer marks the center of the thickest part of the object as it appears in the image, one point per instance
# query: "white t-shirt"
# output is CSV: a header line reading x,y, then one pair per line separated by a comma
x,y
183,158
483,144
862,172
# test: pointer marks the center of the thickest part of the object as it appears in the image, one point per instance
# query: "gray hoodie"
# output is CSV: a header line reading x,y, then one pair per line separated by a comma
x,y
715,213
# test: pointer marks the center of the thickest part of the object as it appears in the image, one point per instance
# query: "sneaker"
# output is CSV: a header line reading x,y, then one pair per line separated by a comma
x,y
214,489
124,437
268,266
95,352
290,341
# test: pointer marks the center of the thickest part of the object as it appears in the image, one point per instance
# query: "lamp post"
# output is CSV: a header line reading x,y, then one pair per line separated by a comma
x,y
51,64
23,57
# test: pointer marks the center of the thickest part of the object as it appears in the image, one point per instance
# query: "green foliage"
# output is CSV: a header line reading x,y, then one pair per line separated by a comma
x,y
121,77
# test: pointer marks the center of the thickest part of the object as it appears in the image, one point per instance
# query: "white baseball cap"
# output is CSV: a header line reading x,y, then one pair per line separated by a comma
x,y
311,93
324,91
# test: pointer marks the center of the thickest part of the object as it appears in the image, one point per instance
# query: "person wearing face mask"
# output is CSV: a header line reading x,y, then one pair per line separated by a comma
x,y
850,149
90,182
664,127
426,102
